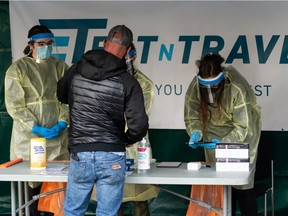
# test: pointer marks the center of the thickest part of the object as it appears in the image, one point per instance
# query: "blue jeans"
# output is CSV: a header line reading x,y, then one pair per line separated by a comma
x,y
104,168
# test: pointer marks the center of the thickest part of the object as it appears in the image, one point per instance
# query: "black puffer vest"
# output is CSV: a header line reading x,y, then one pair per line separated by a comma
x,y
98,92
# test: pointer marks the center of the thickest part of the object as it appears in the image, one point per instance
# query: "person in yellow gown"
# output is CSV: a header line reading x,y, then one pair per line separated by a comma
x,y
31,101
220,106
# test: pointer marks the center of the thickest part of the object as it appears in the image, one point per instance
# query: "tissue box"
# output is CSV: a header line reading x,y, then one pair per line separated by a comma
x,y
193,165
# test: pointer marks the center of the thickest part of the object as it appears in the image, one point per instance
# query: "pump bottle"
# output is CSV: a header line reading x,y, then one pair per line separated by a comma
x,y
144,152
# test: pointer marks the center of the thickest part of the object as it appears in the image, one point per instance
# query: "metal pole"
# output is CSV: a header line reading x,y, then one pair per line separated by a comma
x,y
13,198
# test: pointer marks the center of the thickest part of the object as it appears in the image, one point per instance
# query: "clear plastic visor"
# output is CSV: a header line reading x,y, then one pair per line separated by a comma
x,y
210,85
211,81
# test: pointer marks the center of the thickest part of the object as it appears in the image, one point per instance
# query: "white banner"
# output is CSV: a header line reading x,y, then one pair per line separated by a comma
x,y
169,37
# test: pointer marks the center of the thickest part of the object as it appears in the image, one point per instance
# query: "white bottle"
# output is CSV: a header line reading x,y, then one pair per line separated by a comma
x,y
143,156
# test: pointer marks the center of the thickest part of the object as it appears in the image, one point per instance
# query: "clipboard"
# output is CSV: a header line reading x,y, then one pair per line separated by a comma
x,y
169,164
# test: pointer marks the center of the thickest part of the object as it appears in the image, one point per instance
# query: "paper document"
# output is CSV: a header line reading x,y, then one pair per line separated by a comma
x,y
56,169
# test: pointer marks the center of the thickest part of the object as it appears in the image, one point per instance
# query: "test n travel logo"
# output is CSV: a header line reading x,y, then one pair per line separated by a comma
x,y
240,49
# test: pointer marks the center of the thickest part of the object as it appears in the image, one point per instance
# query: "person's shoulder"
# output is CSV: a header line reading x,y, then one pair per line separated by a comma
x,y
234,75
139,75
238,82
128,77
193,83
129,81
21,63
94,52
57,60
24,60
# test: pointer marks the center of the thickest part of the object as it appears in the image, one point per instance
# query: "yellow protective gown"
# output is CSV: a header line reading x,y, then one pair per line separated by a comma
x,y
30,97
139,192
240,120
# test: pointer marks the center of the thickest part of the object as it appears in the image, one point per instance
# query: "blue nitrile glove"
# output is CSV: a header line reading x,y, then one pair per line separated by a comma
x,y
44,132
51,136
195,137
59,127
216,141
211,145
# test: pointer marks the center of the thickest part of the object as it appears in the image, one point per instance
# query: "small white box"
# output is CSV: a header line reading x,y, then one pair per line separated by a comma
x,y
232,153
193,165
232,150
233,167
232,164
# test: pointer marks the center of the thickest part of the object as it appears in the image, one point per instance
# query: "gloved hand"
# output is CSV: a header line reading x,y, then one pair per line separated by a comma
x,y
211,145
51,136
59,127
44,132
216,141
195,137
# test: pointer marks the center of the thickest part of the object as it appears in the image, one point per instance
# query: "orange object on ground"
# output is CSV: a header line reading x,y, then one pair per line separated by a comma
x,y
210,194
54,202
10,163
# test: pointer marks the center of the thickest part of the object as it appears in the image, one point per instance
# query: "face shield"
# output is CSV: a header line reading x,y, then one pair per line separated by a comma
x,y
44,46
209,86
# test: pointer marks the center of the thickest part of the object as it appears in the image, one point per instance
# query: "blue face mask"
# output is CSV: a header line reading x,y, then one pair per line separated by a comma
x,y
44,52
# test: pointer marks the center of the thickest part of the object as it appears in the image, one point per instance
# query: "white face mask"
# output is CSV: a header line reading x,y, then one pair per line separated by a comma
x,y
43,52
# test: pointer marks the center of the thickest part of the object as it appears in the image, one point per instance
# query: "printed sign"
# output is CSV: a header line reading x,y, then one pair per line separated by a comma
x,y
169,37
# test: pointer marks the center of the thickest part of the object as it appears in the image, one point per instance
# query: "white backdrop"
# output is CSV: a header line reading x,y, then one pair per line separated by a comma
x,y
169,37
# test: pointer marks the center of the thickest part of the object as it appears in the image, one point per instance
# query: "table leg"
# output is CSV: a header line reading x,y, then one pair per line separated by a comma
x,y
20,197
27,212
13,198
227,210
